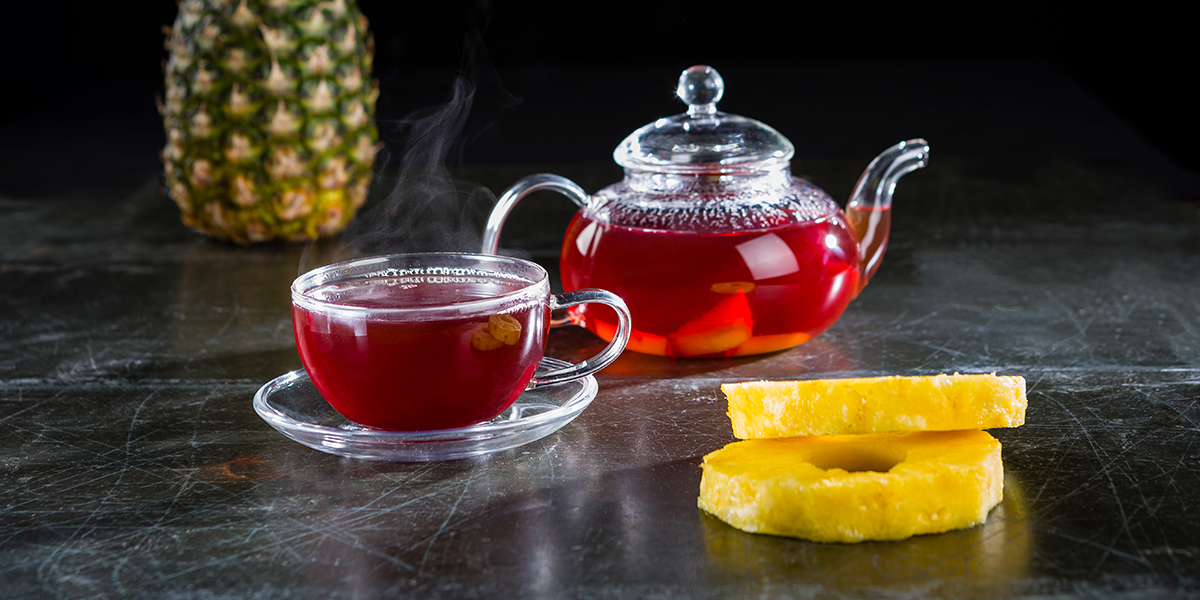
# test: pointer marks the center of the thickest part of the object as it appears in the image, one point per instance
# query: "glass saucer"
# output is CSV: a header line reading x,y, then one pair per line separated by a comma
x,y
291,404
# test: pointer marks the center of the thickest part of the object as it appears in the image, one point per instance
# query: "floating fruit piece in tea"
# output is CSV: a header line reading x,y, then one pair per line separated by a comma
x,y
773,409
482,339
504,328
732,287
760,344
853,488
639,341
727,325
501,330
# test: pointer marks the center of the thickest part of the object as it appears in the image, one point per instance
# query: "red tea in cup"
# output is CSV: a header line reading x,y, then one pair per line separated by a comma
x,y
428,341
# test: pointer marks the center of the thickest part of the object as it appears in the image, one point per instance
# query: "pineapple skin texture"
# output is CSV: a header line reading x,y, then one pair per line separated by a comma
x,y
941,482
269,115
776,409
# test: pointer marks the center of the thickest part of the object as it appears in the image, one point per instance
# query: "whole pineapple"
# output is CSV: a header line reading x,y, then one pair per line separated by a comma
x,y
269,117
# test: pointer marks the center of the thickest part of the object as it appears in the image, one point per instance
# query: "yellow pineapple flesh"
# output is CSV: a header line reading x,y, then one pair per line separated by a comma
x,y
853,488
776,409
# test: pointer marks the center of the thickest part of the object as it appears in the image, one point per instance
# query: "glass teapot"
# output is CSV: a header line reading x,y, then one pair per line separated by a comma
x,y
713,244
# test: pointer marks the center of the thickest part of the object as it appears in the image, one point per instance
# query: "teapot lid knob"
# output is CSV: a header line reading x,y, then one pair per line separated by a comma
x,y
701,87
704,140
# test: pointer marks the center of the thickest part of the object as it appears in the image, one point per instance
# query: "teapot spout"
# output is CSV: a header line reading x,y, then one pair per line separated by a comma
x,y
869,208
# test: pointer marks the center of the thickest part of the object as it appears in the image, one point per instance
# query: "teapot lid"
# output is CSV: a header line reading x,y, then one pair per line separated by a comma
x,y
703,140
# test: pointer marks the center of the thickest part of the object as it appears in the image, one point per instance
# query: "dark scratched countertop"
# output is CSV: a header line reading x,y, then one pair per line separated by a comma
x,y
1044,240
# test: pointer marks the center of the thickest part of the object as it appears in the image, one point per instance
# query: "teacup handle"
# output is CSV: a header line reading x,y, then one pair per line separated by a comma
x,y
520,189
610,352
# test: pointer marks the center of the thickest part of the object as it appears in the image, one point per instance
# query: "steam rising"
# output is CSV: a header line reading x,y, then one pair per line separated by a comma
x,y
426,209
415,204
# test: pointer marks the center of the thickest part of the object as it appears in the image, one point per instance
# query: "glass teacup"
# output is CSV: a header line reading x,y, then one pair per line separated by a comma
x,y
414,342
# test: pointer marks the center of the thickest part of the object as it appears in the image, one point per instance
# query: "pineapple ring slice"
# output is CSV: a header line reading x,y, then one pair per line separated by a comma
x,y
853,488
774,409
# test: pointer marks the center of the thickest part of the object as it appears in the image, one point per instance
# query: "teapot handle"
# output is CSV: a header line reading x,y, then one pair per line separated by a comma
x,y
522,188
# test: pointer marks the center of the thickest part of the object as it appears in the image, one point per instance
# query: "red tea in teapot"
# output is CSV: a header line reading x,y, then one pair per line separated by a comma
x,y
716,294
716,247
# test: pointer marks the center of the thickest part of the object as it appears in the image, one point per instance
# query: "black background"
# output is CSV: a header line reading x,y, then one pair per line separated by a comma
x,y
71,60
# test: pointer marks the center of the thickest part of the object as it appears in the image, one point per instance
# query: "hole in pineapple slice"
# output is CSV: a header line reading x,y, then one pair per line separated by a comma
x,y
853,458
